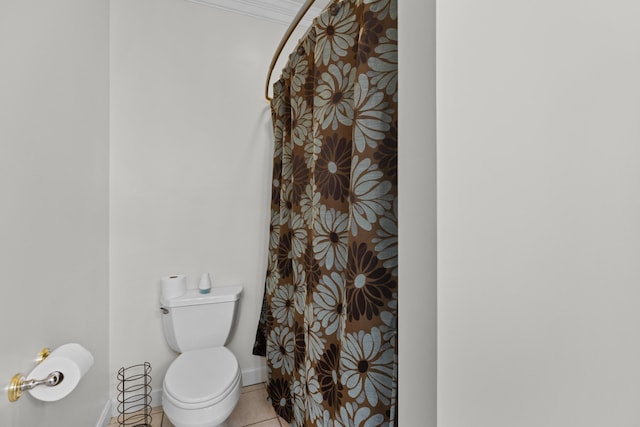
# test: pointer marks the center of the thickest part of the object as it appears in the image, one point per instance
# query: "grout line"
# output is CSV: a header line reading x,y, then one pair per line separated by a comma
x,y
261,421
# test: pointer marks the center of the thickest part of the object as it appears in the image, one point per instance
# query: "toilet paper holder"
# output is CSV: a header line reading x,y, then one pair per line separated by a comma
x,y
19,383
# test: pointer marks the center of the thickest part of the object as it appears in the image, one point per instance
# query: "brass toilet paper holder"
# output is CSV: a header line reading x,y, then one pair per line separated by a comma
x,y
19,383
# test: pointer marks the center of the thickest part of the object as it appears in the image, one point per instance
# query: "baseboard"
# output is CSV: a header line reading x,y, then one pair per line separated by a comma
x,y
254,375
105,416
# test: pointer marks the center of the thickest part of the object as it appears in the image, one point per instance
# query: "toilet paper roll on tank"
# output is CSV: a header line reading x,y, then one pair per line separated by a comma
x,y
176,285
173,286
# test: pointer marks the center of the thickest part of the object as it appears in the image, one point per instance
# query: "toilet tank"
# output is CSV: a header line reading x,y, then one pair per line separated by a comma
x,y
194,320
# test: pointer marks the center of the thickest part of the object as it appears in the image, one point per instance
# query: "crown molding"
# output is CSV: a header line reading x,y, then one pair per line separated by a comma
x,y
280,11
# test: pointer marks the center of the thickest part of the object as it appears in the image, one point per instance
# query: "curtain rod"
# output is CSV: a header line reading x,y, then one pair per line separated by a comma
x,y
296,20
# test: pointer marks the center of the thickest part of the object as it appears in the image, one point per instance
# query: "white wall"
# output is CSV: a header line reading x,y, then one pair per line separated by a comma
x,y
538,213
191,152
54,194
417,214
182,199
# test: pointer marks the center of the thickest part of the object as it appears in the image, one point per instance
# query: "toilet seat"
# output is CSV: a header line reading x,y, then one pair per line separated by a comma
x,y
201,378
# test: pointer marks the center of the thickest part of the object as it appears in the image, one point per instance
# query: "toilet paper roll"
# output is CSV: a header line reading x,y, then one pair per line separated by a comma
x,y
173,286
72,360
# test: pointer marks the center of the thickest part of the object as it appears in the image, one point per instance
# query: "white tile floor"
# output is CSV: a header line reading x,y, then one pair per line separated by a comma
x,y
253,410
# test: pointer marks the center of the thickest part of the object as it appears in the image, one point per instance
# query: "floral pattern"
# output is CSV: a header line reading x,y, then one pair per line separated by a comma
x,y
329,376
332,168
280,344
337,32
384,67
372,284
282,305
328,325
330,243
334,101
372,117
329,304
367,365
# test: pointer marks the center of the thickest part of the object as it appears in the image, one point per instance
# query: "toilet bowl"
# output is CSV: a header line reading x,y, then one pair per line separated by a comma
x,y
202,385
201,388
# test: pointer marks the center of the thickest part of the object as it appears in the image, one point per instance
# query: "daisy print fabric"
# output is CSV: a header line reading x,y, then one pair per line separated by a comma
x,y
328,325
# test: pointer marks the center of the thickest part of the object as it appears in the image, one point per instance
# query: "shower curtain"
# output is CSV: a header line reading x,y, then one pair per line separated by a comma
x,y
328,327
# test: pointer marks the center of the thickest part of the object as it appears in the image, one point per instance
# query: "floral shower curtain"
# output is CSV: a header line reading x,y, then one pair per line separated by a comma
x,y
329,321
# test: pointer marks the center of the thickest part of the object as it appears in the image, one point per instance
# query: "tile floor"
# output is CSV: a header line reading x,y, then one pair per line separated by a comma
x,y
253,410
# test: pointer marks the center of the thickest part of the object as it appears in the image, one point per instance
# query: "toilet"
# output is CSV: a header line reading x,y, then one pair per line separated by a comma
x,y
202,385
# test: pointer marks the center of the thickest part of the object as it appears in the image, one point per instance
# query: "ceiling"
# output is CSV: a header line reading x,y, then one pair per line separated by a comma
x,y
281,11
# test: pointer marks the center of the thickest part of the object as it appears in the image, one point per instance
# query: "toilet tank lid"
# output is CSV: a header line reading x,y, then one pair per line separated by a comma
x,y
194,297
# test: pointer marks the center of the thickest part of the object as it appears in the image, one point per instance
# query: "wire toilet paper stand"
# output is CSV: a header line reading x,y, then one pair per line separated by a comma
x,y
134,395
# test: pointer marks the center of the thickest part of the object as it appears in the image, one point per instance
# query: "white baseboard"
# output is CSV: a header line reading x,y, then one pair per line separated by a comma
x,y
105,416
249,377
254,375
